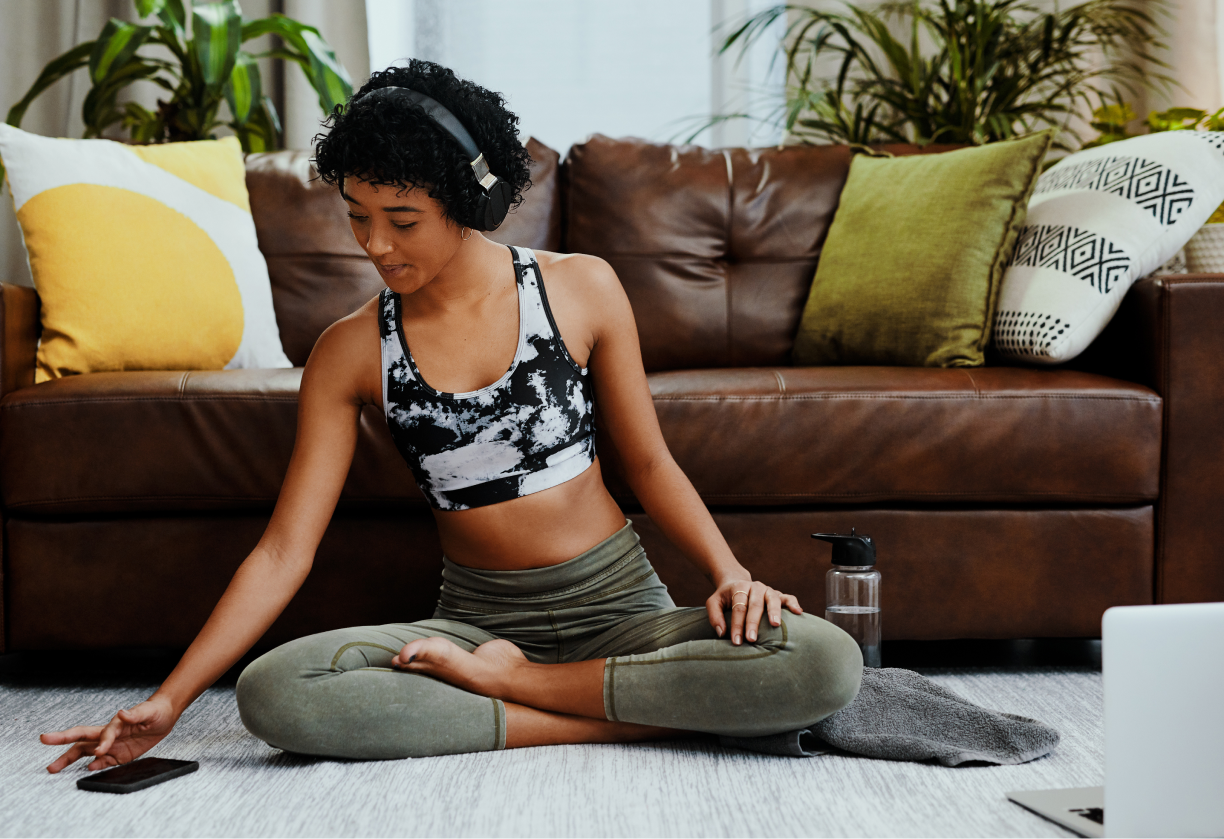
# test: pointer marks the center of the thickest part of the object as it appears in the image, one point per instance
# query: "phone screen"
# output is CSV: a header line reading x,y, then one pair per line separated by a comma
x,y
139,770
137,775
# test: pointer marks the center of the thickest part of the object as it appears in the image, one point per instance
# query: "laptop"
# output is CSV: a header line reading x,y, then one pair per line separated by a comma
x,y
1164,728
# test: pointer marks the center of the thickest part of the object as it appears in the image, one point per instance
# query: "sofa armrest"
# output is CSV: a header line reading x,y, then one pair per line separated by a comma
x,y
20,326
1169,334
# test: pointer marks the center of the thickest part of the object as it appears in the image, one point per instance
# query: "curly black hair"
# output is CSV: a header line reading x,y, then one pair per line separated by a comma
x,y
395,142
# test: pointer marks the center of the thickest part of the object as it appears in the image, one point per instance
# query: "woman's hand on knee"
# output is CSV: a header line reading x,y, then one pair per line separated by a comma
x,y
128,735
747,601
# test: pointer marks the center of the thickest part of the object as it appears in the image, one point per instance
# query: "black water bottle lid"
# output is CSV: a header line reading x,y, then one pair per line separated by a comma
x,y
850,550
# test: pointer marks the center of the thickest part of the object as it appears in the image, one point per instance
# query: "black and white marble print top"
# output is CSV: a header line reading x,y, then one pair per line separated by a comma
x,y
530,430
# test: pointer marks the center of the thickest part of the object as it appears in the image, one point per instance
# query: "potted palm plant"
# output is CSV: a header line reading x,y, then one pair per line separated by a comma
x,y
207,67
964,71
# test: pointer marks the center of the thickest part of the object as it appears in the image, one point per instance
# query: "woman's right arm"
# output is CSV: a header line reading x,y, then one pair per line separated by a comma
x,y
343,373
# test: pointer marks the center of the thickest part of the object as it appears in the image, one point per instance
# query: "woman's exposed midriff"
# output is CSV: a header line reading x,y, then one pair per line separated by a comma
x,y
534,531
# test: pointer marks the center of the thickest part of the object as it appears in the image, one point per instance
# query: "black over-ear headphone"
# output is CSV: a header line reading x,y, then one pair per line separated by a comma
x,y
496,194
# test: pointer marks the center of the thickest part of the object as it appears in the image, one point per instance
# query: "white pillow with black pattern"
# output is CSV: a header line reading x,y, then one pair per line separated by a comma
x,y
1099,220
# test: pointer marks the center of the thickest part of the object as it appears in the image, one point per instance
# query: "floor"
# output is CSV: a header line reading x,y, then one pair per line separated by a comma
x,y
681,788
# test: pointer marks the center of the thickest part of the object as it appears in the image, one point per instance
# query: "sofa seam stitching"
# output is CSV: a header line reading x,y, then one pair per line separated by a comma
x,y
814,397
726,256
182,397
1166,317
900,495
783,397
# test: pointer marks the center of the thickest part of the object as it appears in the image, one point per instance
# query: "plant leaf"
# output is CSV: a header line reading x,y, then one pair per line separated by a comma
x,y
1175,119
216,36
99,109
172,14
331,80
270,114
262,131
326,74
67,63
143,125
115,47
242,91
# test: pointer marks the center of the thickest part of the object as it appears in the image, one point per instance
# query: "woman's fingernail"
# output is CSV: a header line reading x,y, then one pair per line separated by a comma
x,y
751,636
735,640
719,631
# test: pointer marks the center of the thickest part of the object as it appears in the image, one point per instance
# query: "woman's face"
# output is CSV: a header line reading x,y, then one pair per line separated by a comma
x,y
406,234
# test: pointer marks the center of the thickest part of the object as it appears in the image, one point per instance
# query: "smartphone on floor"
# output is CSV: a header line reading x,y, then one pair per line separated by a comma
x,y
139,774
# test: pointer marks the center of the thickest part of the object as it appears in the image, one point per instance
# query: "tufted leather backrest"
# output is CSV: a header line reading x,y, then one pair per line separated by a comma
x,y
319,273
715,248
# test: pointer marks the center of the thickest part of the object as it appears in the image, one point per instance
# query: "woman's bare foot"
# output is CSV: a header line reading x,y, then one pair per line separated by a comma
x,y
487,671
499,669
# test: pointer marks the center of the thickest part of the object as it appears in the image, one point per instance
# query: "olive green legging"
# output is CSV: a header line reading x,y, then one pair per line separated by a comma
x,y
335,693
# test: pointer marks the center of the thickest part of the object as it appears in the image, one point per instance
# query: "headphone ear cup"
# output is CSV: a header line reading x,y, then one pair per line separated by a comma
x,y
480,216
496,204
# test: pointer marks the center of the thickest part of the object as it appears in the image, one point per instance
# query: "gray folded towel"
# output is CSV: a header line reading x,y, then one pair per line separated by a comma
x,y
900,715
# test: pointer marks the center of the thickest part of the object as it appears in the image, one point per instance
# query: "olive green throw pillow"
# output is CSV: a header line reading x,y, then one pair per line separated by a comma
x,y
915,255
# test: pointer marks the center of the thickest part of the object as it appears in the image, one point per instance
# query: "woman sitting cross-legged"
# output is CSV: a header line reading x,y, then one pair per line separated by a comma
x,y
551,627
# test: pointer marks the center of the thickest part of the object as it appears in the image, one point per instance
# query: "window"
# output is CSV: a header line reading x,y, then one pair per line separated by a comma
x,y
570,68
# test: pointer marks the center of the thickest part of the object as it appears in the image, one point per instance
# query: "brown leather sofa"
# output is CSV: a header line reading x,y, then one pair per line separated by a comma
x,y
1007,502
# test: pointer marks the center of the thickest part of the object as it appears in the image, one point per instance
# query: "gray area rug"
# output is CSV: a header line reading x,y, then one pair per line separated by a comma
x,y
682,788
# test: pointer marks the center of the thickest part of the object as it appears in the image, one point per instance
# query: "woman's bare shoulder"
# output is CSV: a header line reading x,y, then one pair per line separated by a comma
x,y
581,275
351,334
586,297
574,265
349,356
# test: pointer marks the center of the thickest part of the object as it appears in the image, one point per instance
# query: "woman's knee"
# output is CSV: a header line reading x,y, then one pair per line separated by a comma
x,y
329,695
264,696
272,692
825,664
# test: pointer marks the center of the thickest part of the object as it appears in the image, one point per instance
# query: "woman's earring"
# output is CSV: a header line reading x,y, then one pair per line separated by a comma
x,y
469,236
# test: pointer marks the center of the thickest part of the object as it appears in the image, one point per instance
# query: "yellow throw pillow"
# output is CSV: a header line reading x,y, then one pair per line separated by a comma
x,y
144,257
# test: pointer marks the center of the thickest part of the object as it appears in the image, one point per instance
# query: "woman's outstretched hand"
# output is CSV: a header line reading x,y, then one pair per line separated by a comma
x,y
747,600
126,737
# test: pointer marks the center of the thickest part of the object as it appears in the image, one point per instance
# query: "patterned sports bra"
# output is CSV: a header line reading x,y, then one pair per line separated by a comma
x,y
530,430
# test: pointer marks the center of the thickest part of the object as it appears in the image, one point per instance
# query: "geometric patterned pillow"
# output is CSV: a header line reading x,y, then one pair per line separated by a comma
x,y
1099,220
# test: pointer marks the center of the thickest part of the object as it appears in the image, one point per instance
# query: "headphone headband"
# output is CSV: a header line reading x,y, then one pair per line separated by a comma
x,y
438,113
495,201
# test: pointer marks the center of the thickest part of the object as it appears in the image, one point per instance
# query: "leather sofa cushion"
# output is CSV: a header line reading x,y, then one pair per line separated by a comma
x,y
170,441
319,273
162,441
715,248
867,435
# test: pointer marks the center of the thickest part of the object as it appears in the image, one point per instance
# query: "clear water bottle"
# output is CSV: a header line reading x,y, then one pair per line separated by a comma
x,y
852,591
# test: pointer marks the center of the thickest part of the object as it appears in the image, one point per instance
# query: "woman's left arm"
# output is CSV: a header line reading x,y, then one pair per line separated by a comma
x,y
665,493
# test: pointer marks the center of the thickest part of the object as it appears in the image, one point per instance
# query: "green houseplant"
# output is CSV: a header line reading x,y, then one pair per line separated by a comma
x,y
207,67
1111,121
965,71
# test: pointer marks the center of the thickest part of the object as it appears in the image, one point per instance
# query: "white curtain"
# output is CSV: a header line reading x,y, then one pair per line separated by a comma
x,y
1195,56
570,68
